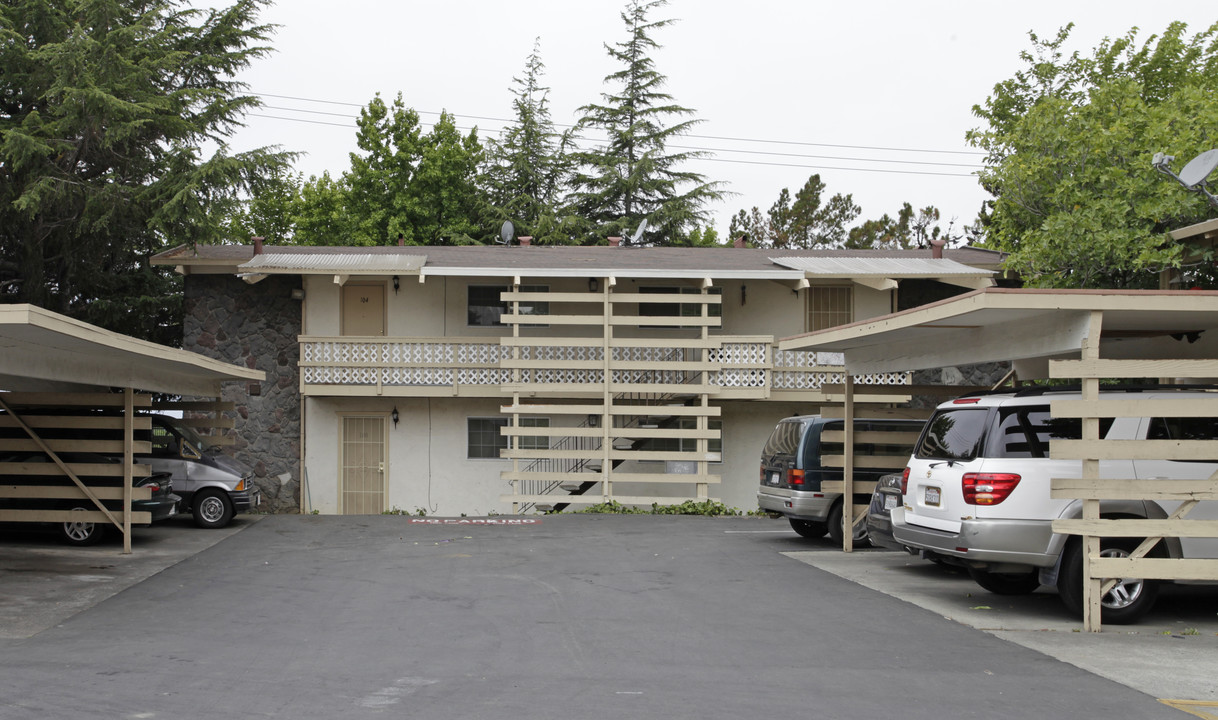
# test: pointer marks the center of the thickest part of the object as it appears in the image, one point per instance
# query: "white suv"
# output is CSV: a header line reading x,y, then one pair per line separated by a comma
x,y
976,494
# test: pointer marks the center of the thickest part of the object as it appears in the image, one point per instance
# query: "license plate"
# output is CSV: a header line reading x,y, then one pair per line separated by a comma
x,y
774,477
932,496
890,501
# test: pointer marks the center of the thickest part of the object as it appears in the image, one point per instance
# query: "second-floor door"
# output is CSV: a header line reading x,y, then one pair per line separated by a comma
x,y
363,310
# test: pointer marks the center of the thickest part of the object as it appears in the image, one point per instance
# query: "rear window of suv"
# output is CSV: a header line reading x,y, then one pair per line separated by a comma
x,y
953,434
1022,431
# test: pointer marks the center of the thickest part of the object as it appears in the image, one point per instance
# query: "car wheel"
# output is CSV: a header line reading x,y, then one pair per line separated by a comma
x,y
212,508
834,523
82,532
1006,583
807,528
1125,603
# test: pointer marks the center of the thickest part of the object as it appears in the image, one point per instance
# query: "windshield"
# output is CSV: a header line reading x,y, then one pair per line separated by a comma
x,y
953,434
188,434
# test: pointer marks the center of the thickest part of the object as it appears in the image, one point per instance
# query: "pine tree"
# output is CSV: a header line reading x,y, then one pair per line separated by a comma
x,y
105,109
530,164
632,176
805,222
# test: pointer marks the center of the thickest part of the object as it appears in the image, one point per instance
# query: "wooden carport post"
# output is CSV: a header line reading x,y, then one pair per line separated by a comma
x,y
128,462
1092,591
848,469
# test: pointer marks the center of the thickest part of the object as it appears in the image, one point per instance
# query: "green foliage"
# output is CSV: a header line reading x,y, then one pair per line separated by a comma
x,y
425,188
529,164
632,176
712,508
1069,143
271,212
805,223
105,108
908,230
418,512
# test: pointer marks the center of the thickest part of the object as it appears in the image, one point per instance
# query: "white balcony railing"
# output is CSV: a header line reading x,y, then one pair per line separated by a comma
x,y
736,366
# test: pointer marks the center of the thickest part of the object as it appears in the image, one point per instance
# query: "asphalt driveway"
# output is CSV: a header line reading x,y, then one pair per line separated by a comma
x,y
578,616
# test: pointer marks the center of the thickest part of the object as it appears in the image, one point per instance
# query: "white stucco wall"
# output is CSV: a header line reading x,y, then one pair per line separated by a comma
x,y
427,457
428,466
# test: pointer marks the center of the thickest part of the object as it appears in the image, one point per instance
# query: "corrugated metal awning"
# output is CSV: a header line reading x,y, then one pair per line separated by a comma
x,y
885,267
882,273
272,263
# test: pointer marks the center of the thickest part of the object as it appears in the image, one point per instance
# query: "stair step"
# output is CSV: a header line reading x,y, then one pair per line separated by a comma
x,y
570,487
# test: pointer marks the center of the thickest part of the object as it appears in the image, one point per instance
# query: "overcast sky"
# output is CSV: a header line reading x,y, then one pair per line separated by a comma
x,y
875,96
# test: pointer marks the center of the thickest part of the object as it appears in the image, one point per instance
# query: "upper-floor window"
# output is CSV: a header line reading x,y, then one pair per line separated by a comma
x,y
830,306
485,308
693,309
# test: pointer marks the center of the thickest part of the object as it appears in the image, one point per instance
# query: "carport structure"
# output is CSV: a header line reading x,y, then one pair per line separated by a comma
x,y
47,359
1087,335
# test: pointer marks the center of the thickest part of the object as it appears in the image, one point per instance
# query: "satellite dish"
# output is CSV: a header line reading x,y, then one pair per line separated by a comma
x,y
638,234
506,231
1199,168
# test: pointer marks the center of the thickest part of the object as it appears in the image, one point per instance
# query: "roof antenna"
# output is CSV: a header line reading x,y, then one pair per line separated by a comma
x,y
506,231
1193,176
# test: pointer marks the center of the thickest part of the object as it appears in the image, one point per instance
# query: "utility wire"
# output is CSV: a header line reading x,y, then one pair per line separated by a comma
x,y
696,147
700,137
728,160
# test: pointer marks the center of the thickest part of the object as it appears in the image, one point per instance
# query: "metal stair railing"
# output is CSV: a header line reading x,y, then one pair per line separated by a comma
x,y
575,466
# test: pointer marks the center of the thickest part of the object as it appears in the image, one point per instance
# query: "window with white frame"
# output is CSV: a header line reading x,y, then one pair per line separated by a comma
x,y
534,442
830,306
484,440
714,445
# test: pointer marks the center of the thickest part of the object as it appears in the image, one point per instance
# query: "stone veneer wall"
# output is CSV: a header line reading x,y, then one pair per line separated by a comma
x,y
255,326
981,374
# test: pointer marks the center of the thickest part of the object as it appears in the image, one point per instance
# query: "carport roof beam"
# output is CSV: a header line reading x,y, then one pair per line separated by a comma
x,y
63,353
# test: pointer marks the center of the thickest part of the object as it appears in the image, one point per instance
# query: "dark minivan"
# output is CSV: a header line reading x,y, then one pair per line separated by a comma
x,y
791,472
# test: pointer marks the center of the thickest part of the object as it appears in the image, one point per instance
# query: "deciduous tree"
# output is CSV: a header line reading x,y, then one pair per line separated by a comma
x,y
1070,141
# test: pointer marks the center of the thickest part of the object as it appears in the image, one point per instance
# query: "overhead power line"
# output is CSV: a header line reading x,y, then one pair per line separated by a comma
x,y
726,160
700,137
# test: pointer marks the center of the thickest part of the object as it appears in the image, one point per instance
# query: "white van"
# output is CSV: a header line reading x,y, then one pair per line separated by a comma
x,y
976,494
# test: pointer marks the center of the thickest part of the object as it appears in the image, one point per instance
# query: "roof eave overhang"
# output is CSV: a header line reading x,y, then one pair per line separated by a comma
x,y
1001,324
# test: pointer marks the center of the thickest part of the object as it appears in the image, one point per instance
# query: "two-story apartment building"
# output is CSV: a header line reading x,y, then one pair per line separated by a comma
x,y
497,379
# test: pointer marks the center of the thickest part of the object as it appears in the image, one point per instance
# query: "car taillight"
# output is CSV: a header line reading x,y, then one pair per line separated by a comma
x,y
988,488
795,477
905,482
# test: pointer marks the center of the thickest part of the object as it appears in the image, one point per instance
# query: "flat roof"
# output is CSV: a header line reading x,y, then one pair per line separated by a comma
x,y
999,324
42,350
577,261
